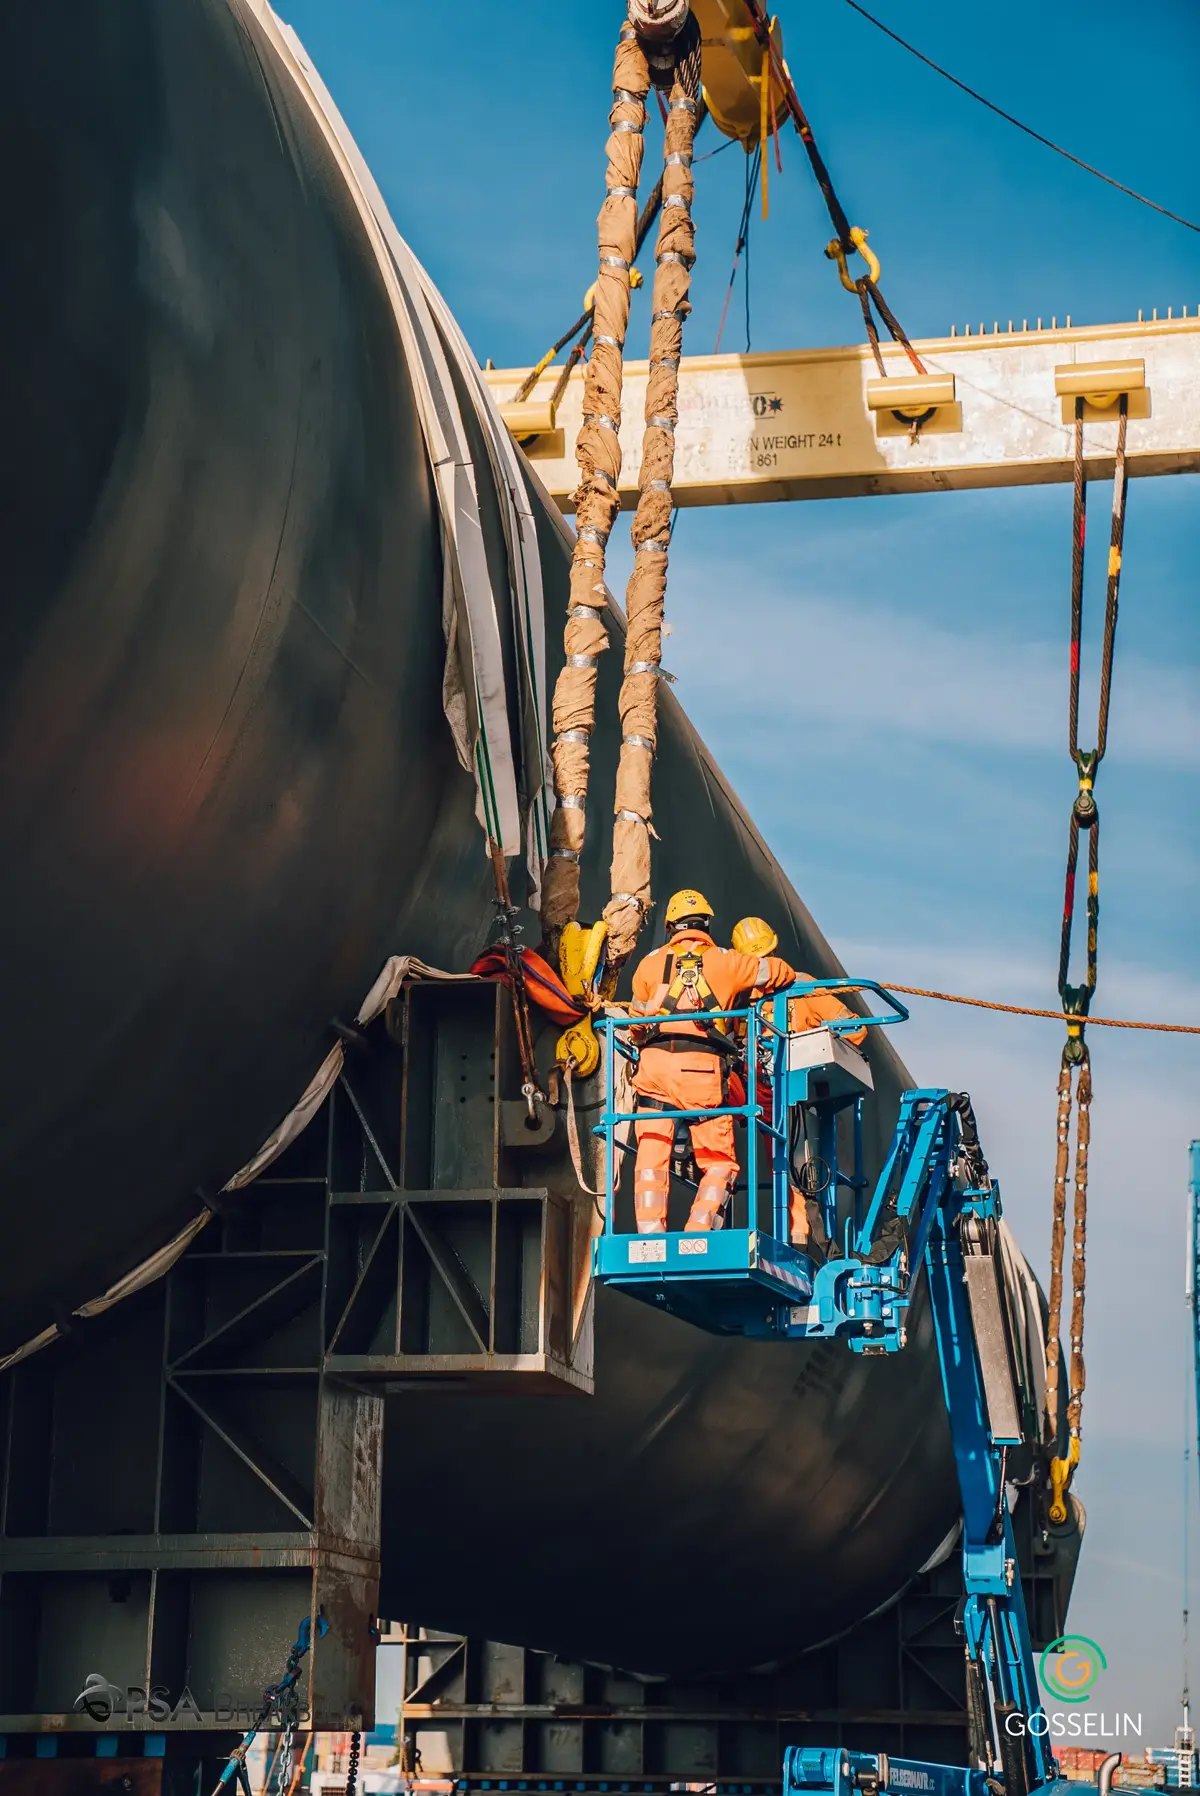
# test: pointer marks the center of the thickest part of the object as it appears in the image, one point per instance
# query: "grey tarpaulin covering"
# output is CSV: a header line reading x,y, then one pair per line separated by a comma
x,y
396,970
475,698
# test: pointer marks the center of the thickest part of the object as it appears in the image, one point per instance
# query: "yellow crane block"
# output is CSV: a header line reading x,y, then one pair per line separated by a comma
x,y
733,69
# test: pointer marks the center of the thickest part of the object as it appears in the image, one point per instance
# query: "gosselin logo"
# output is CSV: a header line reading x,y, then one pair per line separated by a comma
x,y
1068,1669
1070,1666
1079,1724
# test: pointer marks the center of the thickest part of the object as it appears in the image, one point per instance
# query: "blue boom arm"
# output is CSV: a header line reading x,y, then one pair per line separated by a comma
x,y
935,1207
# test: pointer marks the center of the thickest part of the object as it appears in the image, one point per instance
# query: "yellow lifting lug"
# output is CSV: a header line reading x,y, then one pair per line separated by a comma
x,y
580,1046
911,396
836,253
1100,385
636,279
529,417
1061,1472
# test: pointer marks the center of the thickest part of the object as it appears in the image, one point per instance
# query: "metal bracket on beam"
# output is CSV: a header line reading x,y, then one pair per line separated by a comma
x,y
532,422
794,424
529,417
1100,386
906,399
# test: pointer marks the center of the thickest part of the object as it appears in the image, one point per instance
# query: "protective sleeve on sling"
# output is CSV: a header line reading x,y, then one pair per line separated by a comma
x,y
597,501
646,590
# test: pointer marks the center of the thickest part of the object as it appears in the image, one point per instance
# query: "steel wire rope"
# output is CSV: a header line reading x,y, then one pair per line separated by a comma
x,y
585,321
1075,1068
868,289
1009,118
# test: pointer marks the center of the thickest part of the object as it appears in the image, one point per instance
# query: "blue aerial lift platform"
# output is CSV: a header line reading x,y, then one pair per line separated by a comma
x,y
934,1208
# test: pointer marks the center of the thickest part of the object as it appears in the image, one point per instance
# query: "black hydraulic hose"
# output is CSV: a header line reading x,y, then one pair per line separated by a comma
x,y
974,1164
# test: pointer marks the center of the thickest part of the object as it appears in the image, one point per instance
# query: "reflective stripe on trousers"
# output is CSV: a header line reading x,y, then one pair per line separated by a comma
x,y
708,1206
715,1150
651,1189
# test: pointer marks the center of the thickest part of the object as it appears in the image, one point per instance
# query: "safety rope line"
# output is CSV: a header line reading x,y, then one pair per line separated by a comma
x,y
1075,1068
645,592
597,498
1057,1016
753,168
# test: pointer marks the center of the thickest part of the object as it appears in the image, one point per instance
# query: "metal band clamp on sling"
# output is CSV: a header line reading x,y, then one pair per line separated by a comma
x,y
670,55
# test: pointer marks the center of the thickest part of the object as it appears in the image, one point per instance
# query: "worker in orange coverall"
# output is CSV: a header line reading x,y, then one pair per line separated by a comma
x,y
684,1062
753,936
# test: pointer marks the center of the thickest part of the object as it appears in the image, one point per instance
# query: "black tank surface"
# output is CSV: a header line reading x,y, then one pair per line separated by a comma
x,y
228,792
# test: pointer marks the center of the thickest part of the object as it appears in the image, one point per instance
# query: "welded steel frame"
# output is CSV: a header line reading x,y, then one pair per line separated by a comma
x,y
185,1478
494,1716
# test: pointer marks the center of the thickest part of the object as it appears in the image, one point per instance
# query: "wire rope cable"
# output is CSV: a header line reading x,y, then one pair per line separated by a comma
x,y
1011,119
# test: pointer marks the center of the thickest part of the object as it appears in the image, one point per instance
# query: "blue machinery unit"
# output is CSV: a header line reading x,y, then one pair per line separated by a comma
x,y
934,1205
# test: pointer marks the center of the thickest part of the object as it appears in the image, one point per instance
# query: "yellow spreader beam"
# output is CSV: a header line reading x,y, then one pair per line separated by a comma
x,y
994,410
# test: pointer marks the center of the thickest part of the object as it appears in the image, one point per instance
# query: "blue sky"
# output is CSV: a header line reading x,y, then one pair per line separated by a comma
x,y
884,679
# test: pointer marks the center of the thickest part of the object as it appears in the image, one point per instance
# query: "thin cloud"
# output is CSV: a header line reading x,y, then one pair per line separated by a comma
x,y
876,673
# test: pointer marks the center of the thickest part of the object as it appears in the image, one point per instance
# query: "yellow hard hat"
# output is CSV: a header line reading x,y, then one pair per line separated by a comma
x,y
753,936
688,903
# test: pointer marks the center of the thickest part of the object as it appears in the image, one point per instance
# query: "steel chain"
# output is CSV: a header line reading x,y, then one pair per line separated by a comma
x,y
352,1764
284,1779
282,1699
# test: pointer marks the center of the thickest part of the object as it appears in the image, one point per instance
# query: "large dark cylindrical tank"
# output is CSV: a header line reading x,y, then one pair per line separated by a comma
x,y
228,793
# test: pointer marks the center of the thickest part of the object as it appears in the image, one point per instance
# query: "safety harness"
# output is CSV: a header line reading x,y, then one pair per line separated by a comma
x,y
688,993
